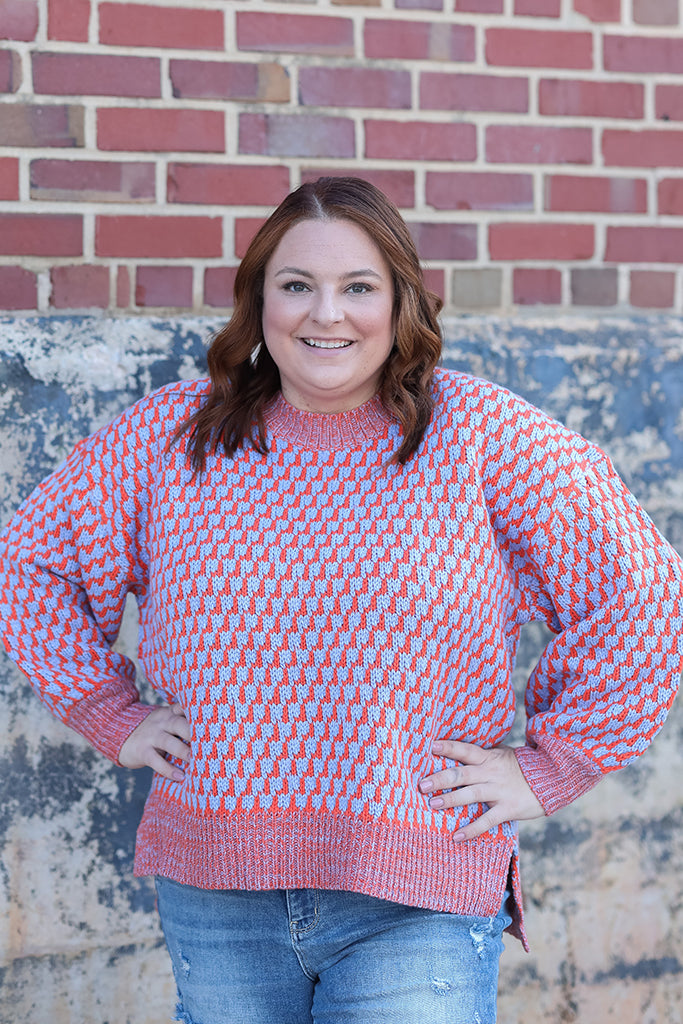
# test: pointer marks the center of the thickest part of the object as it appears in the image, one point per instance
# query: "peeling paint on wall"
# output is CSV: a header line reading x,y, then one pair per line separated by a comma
x,y
604,878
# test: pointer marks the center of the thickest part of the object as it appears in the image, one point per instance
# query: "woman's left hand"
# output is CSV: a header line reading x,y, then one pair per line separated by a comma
x,y
490,777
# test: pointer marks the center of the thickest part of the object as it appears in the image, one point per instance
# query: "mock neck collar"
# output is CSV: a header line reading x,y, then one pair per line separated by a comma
x,y
324,430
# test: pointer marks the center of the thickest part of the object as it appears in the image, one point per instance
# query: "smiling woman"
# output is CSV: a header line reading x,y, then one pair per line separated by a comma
x,y
333,544
244,372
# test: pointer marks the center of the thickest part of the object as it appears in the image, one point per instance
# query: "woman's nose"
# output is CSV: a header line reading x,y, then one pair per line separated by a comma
x,y
326,310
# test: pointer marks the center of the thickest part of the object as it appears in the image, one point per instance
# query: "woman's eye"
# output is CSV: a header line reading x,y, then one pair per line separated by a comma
x,y
359,288
295,286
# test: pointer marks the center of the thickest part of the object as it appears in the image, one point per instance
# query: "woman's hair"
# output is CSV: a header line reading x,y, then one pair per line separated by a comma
x,y
244,377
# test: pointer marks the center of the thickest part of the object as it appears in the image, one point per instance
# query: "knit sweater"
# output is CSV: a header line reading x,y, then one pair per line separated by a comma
x,y
323,614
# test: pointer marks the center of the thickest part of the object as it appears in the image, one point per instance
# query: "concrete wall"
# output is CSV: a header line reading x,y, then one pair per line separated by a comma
x,y
79,941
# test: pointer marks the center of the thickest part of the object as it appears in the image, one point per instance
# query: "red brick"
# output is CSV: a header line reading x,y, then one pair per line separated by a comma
x,y
84,74
229,80
92,180
294,33
19,19
435,281
599,10
594,286
158,237
123,287
225,185
445,241
41,234
538,8
652,289
399,186
79,287
18,288
360,87
164,286
573,194
642,148
440,90
669,102
534,241
663,12
644,245
186,28
68,20
406,140
26,125
670,196
10,71
658,54
571,97
245,229
521,47
219,283
479,190
533,286
480,6
9,177
308,135
132,128
418,40
528,144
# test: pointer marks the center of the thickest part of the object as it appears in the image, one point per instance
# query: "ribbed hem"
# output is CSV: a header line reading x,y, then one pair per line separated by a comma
x,y
324,851
328,431
557,773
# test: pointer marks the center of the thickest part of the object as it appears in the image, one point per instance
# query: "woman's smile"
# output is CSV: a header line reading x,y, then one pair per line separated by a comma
x,y
327,343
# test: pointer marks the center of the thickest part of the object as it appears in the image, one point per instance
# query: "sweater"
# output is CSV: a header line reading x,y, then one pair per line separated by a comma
x,y
324,614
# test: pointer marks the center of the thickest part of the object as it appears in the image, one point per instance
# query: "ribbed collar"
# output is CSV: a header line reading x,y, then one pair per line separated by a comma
x,y
329,431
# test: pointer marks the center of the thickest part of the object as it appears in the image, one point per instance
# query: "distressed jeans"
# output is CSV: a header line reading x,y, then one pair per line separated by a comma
x,y
298,956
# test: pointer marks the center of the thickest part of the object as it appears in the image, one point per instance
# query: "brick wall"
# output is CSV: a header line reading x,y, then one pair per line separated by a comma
x,y
535,146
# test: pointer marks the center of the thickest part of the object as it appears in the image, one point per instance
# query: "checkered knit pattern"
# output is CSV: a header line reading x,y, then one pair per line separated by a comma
x,y
323,615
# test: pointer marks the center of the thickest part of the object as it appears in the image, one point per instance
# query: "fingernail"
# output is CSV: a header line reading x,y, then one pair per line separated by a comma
x,y
458,836
436,802
437,747
426,786
178,776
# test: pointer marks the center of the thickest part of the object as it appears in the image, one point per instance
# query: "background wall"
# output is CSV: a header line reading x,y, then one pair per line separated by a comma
x,y
603,879
535,146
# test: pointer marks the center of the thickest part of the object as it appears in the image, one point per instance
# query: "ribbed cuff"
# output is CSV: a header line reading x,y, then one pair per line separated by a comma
x,y
106,718
557,773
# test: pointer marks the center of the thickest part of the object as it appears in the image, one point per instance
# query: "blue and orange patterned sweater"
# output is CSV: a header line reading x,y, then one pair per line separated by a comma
x,y
323,615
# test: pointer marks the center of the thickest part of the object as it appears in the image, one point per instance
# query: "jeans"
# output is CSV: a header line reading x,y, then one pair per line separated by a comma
x,y
298,956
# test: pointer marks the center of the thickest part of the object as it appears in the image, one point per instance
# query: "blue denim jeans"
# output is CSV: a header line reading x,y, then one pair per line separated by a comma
x,y
298,956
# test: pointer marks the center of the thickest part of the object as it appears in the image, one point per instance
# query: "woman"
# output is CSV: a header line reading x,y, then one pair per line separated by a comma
x,y
333,545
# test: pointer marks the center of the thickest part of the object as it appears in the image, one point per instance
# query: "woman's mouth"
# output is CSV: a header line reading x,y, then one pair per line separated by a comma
x,y
327,342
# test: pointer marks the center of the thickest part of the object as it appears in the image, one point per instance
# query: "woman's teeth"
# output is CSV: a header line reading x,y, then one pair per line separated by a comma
x,y
316,343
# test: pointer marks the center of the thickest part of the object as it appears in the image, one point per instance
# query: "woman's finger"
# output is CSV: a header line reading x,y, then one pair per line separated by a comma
x,y
174,747
163,767
468,753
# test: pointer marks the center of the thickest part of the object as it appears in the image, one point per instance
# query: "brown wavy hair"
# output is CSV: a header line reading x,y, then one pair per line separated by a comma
x,y
244,377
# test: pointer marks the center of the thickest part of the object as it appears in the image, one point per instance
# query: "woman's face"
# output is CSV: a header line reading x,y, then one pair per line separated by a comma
x,y
328,298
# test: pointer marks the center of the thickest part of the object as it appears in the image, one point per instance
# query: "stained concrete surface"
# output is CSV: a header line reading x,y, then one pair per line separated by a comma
x,y
80,943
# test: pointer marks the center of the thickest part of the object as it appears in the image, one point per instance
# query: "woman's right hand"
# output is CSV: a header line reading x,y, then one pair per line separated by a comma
x,y
164,731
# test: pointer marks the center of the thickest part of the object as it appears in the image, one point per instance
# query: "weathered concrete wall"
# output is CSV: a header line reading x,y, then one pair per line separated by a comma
x,y
604,878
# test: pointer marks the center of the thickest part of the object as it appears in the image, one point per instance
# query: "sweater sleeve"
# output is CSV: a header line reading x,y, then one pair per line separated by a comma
x,y
587,559
68,558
